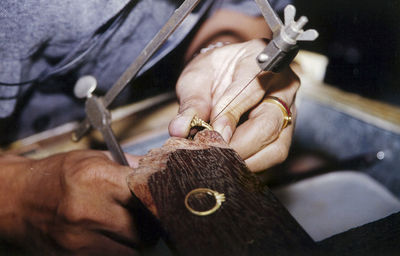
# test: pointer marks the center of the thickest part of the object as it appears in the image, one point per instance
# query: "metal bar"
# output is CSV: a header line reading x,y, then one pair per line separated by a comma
x,y
274,22
174,21
113,145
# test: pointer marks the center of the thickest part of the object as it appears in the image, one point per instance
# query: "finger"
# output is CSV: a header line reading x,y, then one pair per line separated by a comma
x,y
225,119
264,123
274,153
284,85
262,128
79,240
105,245
113,175
245,91
194,94
107,198
121,224
121,192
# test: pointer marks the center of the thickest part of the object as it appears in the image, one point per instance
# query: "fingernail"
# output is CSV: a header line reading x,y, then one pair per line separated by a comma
x,y
219,127
225,131
227,134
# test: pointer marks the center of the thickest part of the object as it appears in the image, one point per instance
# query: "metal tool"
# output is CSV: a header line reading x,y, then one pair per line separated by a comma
x,y
174,21
96,108
283,48
278,54
98,116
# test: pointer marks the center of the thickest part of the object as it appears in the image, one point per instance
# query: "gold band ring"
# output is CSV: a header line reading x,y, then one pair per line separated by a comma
x,y
287,115
219,199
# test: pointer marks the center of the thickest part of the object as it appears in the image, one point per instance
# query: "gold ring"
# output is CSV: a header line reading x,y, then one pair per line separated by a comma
x,y
219,199
197,122
287,115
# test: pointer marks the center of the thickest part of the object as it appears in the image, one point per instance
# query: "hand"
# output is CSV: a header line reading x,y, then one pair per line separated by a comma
x,y
76,202
252,127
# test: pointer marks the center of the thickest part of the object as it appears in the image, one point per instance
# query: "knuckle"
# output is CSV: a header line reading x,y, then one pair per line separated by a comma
x,y
71,209
72,158
269,128
189,101
68,160
253,47
281,152
257,43
190,77
74,212
192,101
232,116
91,171
91,163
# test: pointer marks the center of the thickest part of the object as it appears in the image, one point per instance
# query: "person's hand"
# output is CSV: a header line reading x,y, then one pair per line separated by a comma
x,y
76,202
252,127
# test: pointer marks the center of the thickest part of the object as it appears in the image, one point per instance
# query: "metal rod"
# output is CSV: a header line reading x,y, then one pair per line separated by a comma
x,y
173,22
234,98
274,22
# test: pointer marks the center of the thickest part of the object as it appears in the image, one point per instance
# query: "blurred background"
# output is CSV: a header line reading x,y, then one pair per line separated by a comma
x,y
361,38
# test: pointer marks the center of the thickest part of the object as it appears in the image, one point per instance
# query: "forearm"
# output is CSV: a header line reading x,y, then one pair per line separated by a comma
x,y
228,26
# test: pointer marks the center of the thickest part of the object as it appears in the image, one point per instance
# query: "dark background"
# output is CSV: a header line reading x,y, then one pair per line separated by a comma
x,y
361,38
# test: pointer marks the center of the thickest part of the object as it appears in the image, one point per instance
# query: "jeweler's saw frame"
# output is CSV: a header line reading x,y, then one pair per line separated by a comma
x,y
277,54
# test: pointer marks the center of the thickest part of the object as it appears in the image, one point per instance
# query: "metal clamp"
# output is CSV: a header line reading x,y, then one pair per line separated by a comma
x,y
280,52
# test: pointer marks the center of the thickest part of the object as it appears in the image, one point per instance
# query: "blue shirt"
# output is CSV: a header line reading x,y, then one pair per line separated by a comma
x,y
39,37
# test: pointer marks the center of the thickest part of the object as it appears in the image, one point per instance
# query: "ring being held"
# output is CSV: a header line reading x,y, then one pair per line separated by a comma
x,y
198,122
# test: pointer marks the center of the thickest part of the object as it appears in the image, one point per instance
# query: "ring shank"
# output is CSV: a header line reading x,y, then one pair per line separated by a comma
x,y
287,115
219,199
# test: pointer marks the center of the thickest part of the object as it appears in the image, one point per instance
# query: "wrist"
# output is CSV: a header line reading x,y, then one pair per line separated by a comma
x,y
12,178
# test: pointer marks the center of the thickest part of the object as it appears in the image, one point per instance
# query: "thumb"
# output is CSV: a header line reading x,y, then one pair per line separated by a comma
x,y
194,94
180,125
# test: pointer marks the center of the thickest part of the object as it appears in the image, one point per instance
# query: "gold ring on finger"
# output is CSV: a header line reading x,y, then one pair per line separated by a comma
x,y
287,114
